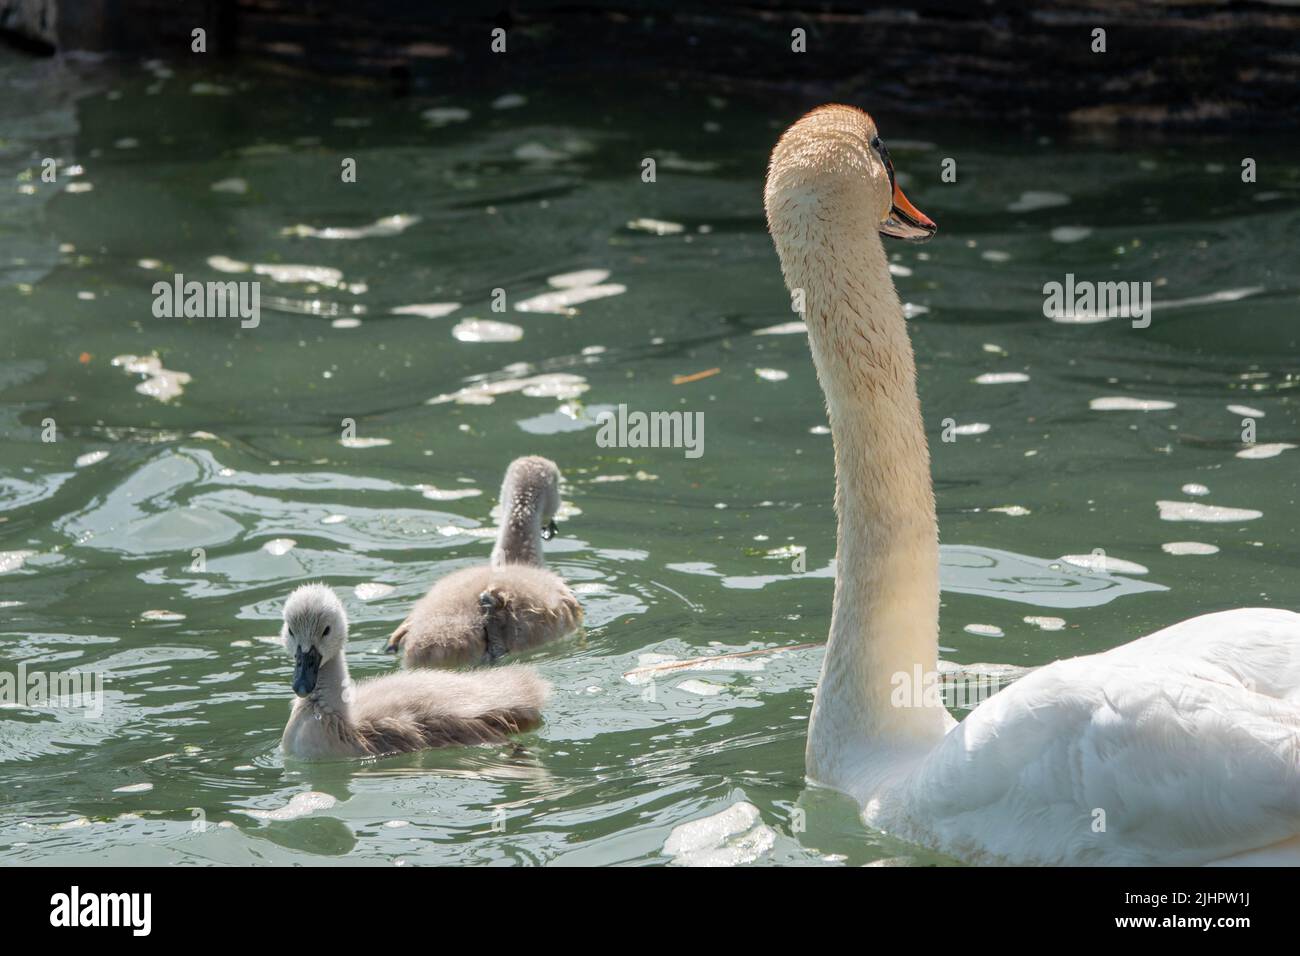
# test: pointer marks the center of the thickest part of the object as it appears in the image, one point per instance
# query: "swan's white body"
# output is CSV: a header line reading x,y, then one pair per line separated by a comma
x,y
1182,747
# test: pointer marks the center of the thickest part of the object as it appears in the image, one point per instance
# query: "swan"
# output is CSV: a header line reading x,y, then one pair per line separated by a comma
x,y
1179,748
397,713
479,614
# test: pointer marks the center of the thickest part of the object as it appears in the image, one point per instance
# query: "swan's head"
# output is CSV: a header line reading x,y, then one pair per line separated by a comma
x,y
532,486
831,170
315,631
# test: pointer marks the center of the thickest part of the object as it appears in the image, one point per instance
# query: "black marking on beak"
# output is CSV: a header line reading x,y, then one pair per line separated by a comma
x,y
549,530
306,668
905,221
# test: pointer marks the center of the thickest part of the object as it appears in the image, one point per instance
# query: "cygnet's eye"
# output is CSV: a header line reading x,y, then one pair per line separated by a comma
x,y
326,632
290,631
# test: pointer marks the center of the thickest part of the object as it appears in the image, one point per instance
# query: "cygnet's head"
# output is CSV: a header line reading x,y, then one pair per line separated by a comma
x,y
831,169
315,631
532,486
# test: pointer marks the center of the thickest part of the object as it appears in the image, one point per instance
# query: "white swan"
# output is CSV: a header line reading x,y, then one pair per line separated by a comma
x,y
1182,747
397,713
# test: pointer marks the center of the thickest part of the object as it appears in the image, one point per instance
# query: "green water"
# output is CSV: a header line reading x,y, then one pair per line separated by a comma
x,y
673,557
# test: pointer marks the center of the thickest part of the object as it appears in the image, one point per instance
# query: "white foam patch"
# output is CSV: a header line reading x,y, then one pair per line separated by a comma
x,y
1001,378
227,264
446,115
428,310
134,788
162,615
1044,623
1188,547
1213,298
299,805
161,383
576,280
561,301
1194,511
1193,488
1246,410
91,458
1264,450
1038,199
784,328
365,442
673,161
771,374
13,560
787,551
456,531
1070,233
732,837
974,428
234,184
447,494
485,330
1104,563
560,385
534,152
298,274
1121,403
1085,317
1015,511
983,630
703,688
393,225
278,546
371,590
657,227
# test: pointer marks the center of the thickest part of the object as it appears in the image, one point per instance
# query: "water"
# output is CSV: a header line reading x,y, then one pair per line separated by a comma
x,y
674,558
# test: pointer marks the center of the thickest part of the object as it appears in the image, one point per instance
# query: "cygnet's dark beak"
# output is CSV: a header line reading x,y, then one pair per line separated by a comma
x,y
306,667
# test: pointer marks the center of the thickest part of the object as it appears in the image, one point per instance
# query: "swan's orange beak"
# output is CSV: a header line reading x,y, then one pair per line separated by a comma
x,y
906,221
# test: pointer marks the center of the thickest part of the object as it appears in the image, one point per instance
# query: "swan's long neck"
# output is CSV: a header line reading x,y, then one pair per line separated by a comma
x,y
519,541
884,623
